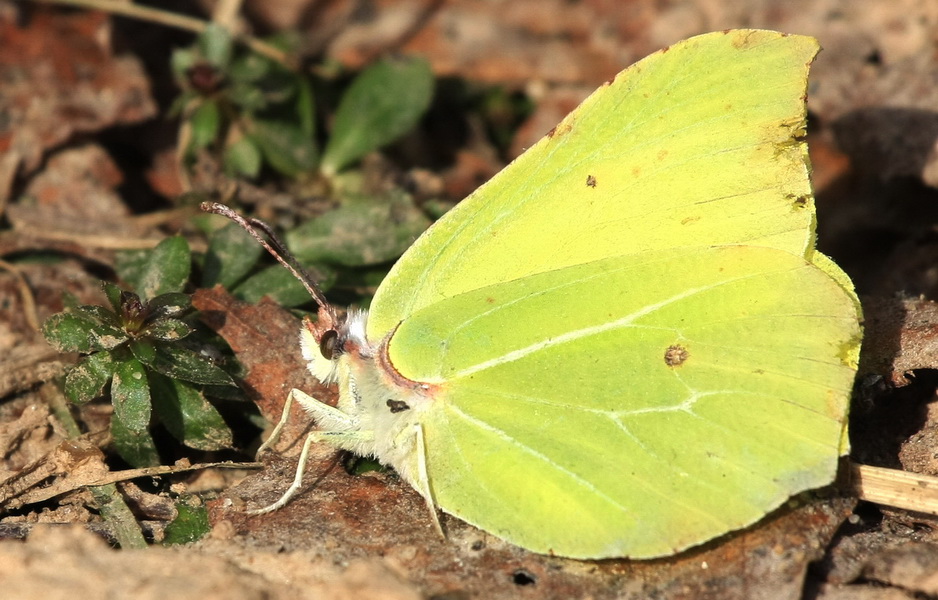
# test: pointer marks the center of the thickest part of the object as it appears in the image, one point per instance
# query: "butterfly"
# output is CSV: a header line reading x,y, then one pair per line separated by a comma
x,y
625,343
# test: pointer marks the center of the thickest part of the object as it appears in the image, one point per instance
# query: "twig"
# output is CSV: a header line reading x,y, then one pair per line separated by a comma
x,y
170,19
895,488
78,480
225,13
108,242
26,295
113,509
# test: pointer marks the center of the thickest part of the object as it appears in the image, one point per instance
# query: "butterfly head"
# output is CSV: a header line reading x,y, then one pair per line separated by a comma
x,y
330,338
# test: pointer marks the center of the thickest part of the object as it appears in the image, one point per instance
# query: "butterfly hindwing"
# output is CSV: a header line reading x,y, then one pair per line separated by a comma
x,y
668,414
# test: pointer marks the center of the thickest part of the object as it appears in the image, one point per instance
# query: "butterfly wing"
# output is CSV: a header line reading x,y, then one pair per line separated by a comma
x,y
698,144
706,388
634,344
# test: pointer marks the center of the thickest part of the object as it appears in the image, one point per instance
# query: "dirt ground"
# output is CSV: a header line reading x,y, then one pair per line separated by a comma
x,y
89,166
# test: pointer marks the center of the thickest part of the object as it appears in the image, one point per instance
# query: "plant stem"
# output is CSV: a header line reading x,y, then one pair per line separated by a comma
x,y
110,502
170,19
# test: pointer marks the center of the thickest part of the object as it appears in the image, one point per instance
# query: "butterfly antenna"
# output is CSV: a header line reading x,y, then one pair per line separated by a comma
x,y
278,250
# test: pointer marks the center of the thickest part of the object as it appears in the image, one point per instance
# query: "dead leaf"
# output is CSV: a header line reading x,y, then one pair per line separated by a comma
x,y
266,340
912,567
73,464
340,517
60,79
900,335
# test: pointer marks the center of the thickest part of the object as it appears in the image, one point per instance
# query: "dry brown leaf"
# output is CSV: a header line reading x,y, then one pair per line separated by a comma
x,y
266,340
60,79
900,335
912,567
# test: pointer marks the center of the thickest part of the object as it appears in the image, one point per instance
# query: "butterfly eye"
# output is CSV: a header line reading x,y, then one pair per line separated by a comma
x,y
329,344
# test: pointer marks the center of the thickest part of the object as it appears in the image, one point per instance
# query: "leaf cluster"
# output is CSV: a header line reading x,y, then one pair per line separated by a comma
x,y
145,350
140,352
255,112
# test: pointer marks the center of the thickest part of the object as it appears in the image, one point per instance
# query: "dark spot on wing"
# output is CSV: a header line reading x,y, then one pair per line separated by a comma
x,y
397,406
675,355
561,129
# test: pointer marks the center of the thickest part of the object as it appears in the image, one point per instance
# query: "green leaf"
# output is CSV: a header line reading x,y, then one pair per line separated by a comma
x,y
143,350
306,107
167,330
361,231
181,60
130,394
243,158
215,45
166,269
232,253
225,392
76,332
364,278
206,123
359,465
181,363
136,447
249,68
190,525
113,294
180,103
97,314
383,103
281,286
278,87
285,146
86,380
170,304
188,416
130,265
246,96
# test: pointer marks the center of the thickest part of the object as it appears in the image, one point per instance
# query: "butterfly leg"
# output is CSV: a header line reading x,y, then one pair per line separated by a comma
x,y
275,434
329,419
422,481
338,428
297,479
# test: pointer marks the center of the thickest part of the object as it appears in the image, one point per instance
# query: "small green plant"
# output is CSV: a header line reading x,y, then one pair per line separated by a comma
x,y
191,524
254,110
139,351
